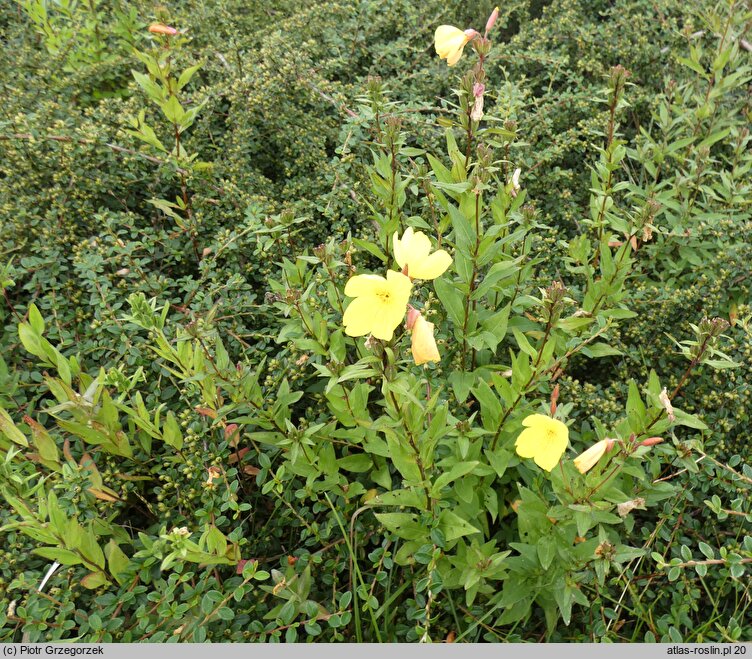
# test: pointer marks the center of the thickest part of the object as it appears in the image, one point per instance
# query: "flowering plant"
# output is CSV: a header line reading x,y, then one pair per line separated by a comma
x,y
446,389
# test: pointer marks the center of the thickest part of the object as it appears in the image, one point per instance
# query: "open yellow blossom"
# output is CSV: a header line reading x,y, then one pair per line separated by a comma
x,y
412,252
423,344
449,42
544,439
379,304
589,458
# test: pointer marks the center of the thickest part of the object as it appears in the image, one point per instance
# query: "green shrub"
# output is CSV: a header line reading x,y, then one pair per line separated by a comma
x,y
185,425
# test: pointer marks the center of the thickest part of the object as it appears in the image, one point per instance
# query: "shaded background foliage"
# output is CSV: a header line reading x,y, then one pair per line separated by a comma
x,y
285,135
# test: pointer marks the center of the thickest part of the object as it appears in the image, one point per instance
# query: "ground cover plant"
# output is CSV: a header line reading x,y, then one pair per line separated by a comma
x,y
410,322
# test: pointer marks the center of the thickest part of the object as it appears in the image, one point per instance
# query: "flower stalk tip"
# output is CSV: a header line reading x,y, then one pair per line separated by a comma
x,y
491,20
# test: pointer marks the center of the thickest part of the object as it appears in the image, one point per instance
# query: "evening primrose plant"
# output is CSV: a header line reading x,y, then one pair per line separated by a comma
x,y
434,343
214,429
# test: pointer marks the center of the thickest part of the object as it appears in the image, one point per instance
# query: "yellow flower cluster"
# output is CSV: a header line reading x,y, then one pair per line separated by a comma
x,y
380,303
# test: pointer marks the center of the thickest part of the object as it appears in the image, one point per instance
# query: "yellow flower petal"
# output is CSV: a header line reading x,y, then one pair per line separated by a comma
x,y
423,345
400,284
549,455
449,42
382,326
379,304
358,317
413,251
535,420
544,440
362,285
589,458
527,443
454,57
432,266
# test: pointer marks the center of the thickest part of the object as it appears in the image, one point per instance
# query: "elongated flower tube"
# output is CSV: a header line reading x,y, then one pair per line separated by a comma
x,y
160,28
492,20
423,345
449,42
544,440
379,305
412,253
590,457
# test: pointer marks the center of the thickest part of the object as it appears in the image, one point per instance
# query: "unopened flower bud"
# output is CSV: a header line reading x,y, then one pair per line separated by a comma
x,y
651,441
206,251
160,28
492,20
589,458
554,399
122,272
529,212
412,316
605,550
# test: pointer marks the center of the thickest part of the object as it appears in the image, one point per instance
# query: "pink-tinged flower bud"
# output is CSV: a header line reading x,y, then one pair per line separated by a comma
x,y
651,441
554,399
412,316
470,33
492,20
160,28
478,89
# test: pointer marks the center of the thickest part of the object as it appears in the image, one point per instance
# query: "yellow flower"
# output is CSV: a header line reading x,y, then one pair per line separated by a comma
x,y
379,304
449,42
412,252
544,439
589,458
423,344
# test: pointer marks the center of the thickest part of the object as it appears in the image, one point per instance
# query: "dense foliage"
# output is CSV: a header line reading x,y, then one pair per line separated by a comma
x,y
190,437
